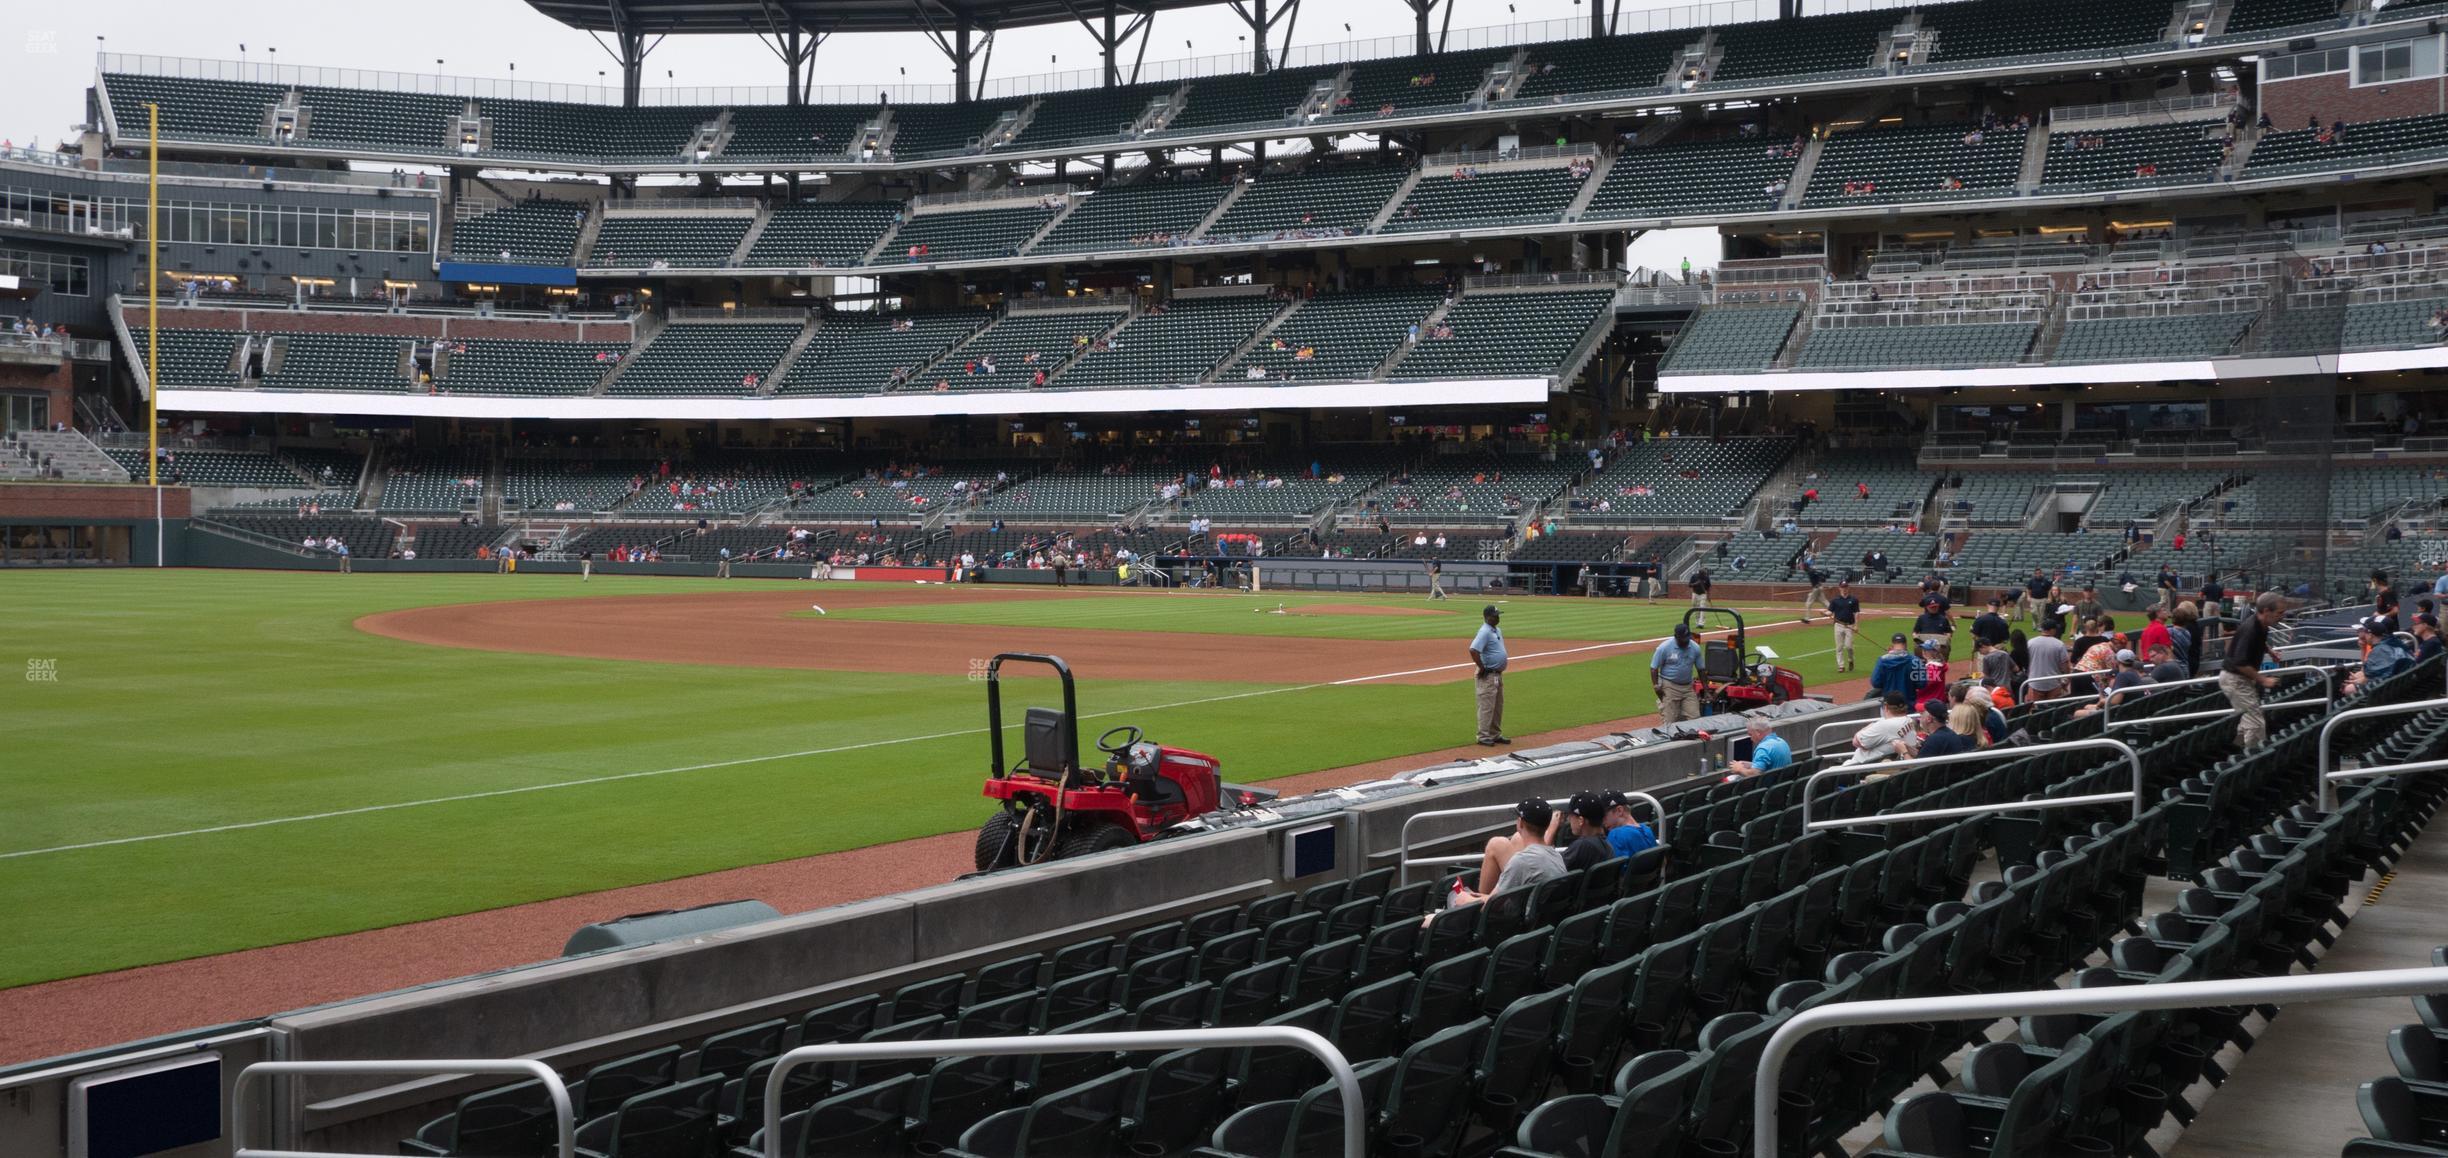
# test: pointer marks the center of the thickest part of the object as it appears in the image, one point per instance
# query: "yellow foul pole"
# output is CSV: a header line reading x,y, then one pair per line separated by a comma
x,y
153,276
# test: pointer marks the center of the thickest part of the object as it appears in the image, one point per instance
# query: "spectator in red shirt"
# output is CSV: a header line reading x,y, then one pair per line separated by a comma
x,y
2155,633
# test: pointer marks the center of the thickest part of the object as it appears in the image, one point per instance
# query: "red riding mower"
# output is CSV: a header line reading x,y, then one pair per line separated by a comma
x,y
1053,807
1733,679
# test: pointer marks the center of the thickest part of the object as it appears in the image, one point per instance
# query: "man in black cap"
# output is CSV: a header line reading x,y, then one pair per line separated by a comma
x,y
1586,812
1536,860
1625,835
1817,595
1487,651
1989,626
1699,583
1846,611
2088,607
1933,626
2034,603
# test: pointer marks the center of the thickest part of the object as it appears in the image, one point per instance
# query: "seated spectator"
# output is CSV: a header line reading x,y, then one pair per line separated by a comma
x,y
1936,737
1624,834
2121,685
1586,814
1520,858
1770,754
2384,654
1889,737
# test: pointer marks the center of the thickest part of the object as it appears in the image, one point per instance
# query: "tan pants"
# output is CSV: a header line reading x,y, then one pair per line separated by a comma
x,y
1845,634
1677,703
1490,689
586,569
1700,599
344,564
722,569
1813,598
2244,695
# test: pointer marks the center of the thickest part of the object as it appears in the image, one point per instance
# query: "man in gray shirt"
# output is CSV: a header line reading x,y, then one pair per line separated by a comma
x,y
2048,661
1537,860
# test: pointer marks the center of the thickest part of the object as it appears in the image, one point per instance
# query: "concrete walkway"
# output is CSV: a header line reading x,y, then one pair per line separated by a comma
x,y
2294,1094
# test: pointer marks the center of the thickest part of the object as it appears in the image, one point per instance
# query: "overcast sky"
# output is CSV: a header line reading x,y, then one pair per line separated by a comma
x,y
51,62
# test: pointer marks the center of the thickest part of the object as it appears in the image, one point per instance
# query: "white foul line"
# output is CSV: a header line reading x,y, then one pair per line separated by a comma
x,y
833,751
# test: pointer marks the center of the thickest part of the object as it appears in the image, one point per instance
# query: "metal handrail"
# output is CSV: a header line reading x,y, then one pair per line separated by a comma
x,y
2328,692
2330,774
565,1122
2105,999
1403,848
2094,743
1347,1083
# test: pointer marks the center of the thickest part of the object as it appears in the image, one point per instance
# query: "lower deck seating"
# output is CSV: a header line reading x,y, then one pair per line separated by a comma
x,y
1505,335
2167,339
213,468
1174,344
1916,346
366,538
1334,337
1466,199
707,358
2364,143
1731,338
1619,1009
2150,154
861,353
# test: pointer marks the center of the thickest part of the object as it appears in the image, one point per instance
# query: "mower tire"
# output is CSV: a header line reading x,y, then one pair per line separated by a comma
x,y
998,842
1094,838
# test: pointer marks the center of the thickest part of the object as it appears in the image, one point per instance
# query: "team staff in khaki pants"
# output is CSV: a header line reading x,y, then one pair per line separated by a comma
x,y
1846,611
1671,669
1487,650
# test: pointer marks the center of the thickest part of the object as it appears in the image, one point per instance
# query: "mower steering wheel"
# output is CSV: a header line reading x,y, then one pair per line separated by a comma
x,y
1130,735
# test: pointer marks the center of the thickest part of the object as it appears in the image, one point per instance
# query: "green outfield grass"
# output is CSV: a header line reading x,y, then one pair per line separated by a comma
x,y
246,703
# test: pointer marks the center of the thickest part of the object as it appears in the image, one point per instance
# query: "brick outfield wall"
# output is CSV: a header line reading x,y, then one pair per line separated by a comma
x,y
2333,97
22,502
56,383
399,325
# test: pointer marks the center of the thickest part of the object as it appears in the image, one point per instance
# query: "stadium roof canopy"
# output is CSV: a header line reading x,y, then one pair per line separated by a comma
x,y
683,17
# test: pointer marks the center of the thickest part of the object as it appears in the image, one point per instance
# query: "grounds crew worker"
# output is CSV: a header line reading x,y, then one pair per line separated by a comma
x,y
1487,650
1699,584
1846,611
1671,668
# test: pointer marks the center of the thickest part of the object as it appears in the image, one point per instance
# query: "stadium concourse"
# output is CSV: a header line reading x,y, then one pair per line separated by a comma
x,y
619,433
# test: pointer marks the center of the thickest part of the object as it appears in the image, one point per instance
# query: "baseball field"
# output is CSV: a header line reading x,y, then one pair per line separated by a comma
x,y
208,761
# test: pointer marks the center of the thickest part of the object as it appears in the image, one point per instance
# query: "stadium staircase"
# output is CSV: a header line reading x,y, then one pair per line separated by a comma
x,y
65,455
1401,194
1589,189
790,357
1216,214
588,231
643,326
1070,203
2035,158
1426,325
1214,373
2246,138
1795,185
756,229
